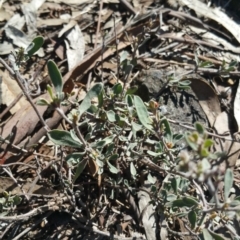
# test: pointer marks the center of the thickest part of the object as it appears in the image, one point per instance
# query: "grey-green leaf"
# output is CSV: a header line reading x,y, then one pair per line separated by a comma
x,y
111,115
104,142
117,88
133,169
192,218
142,113
80,169
42,102
63,138
228,182
55,76
74,158
206,234
213,235
93,92
185,202
35,45
112,168
167,128
199,127
174,184
114,157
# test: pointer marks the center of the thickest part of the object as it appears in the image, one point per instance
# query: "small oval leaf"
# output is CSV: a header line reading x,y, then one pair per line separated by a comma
x,y
112,168
117,88
133,169
192,218
93,92
35,45
55,76
142,113
228,183
199,127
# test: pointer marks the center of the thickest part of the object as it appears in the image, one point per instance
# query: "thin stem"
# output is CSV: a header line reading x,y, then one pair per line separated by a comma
x,y
20,80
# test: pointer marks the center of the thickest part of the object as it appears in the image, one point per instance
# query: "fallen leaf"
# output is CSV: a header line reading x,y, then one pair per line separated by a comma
x,y
75,46
236,106
230,146
207,98
10,90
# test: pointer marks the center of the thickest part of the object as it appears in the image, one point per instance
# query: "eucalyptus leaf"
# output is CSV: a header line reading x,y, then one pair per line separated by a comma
x,y
142,113
63,138
228,183
93,92
55,76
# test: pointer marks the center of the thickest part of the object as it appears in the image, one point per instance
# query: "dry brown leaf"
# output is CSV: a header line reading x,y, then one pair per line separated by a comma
x,y
4,15
7,184
10,90
53,22
67,27
221,126
93,166
71,2
207,98
75,45
222,122
215,14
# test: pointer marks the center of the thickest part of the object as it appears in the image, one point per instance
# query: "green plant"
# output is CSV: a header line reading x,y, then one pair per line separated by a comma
x,y
119,127
8,202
